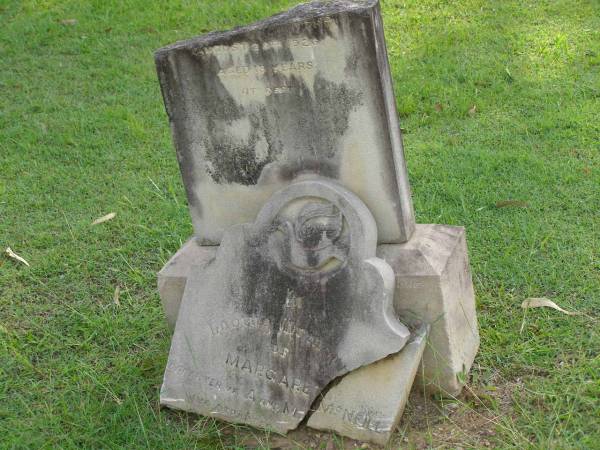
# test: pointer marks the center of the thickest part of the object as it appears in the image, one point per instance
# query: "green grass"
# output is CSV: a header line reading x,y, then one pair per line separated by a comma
x,y
84,133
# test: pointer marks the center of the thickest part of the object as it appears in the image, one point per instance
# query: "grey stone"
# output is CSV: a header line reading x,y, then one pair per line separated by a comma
x,y
367,404
289,303
308,90
173,276
433,284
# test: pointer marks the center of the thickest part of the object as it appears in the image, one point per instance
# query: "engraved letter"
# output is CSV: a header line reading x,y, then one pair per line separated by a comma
x,y
247,366
232,362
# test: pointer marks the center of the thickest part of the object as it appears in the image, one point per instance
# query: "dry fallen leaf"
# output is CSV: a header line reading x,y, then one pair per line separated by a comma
x,y
116,296
544,302
13,255
473,110
516,203
105,218
439,107
69,22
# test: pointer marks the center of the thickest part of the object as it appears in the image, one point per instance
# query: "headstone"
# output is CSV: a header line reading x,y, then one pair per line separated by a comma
x,y
290,303
291,155
308,90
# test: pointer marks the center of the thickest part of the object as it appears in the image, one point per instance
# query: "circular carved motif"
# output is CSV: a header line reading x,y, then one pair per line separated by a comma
x,y
310,237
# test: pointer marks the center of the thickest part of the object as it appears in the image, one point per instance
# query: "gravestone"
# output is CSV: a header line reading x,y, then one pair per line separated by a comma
x,y
285,303
289,303
308,90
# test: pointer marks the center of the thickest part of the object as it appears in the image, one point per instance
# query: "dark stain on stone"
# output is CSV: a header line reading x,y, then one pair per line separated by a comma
x,y
174,96
324,168
266,291
299,127
233,161
208,97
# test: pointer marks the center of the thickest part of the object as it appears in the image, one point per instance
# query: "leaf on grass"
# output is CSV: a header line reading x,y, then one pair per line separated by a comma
x,y
68,22
544,303
13,255
116,296
105,218
473,110
439,107
515,203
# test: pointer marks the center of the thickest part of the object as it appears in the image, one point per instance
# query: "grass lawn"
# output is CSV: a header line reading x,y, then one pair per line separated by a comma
x,y
499,100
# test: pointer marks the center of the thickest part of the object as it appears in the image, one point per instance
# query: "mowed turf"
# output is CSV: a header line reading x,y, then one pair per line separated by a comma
x,y
499,101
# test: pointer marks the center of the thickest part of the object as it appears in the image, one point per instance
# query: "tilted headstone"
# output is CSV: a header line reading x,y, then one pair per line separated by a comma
x,y
290,303
308,90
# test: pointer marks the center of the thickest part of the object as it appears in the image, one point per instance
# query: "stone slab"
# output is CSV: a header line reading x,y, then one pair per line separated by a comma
x,y
367,404
288,304
308,90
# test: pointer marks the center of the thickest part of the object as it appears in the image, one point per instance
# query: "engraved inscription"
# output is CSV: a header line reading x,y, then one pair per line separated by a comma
x,y
234,62
252,323
268,91
279,69
364,418
298,42
242,364
301,336
216,407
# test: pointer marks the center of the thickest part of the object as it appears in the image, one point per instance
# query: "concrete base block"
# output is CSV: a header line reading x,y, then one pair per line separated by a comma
x,y
367,404
173,276
433,285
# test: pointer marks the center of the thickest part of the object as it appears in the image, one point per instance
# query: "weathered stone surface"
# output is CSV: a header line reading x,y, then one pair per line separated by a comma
x,y
367,404
290,302
308,90
433,284
173,276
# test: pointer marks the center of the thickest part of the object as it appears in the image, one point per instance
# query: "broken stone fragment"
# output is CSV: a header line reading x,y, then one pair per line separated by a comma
x,y
367,404
289,303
